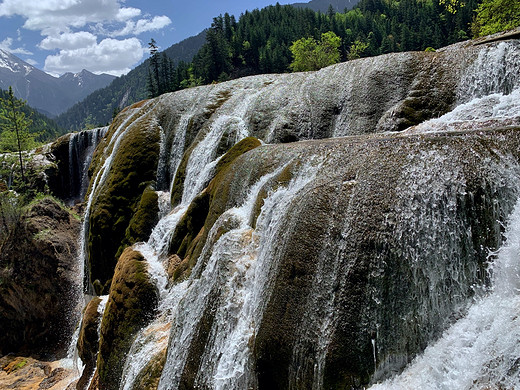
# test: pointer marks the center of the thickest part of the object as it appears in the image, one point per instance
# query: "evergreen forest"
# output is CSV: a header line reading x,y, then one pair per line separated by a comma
x,y
260,41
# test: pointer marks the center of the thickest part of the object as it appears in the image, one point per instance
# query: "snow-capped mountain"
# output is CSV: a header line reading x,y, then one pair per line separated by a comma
x,y
48,94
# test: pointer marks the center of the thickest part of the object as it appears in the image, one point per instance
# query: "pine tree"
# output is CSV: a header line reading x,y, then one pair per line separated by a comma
x,y
153,71
15,135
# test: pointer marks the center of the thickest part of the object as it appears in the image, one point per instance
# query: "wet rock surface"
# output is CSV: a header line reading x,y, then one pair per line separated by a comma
x,y
39,286
131,303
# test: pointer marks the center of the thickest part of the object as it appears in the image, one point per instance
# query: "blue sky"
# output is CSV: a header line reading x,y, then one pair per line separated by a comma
x,y
104,36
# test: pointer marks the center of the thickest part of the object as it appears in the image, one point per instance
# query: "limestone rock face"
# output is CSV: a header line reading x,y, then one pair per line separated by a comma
x,y
330,262
39,281
353,252
132,301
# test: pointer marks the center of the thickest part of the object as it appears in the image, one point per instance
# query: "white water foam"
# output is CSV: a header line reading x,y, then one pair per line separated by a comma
x,y
239,265
495,110
482,350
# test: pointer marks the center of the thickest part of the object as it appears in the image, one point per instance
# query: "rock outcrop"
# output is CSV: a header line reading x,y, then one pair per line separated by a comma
x,y
132,301
40,281
88,341
326,263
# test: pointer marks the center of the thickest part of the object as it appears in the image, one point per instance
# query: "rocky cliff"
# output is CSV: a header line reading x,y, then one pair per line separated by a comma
x,y
328,263
311,230
40,286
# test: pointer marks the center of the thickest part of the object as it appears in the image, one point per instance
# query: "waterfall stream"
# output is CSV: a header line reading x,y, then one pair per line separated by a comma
x,y
81,150
479,351
207,324
200,166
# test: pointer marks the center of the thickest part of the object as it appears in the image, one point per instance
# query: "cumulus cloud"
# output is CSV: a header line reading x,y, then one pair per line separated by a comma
x,y
143,25
7,45
68,41
72,29
109,56
52,15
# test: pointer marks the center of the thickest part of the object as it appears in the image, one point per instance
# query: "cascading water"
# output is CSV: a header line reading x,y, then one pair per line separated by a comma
x,y
481,350
495,70
81,150
200,166
232,279
84,153
110,151
238,266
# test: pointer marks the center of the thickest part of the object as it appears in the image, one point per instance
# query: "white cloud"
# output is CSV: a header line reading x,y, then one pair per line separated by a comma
x,y
57,16
6,45
109,56
72,29
52,15
143,25
68,41
125,14
32,62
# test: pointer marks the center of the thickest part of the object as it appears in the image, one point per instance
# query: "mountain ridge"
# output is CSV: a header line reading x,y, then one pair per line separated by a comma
x,y
48,94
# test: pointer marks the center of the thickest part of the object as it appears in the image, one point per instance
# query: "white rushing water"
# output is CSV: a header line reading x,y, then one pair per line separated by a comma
x,y
232,275
97,182
81,151
481,350
494,110
495,70
199,169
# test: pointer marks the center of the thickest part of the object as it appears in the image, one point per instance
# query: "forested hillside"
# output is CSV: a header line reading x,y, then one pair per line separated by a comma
x,y
259,42
44,128
323,5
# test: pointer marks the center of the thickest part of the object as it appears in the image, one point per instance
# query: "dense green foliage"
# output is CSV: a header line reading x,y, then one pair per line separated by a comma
x,y
43,128
309,54
260,41
15,136
496,15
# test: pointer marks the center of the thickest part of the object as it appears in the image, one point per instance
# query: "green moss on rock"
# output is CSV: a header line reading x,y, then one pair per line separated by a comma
x,y
133,168
143,221
196,129
131,303
191,233
88,341
148,378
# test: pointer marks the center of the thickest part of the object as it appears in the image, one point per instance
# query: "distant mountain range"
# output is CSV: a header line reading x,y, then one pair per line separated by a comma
x,y
49,95
99,106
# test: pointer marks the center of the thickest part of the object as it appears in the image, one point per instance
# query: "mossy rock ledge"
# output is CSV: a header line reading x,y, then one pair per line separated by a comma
x,y
133,168
131,303
191,232
88,341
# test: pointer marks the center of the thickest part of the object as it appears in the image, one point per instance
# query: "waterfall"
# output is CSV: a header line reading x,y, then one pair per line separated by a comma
x,y
81,150
239,265
496,109
479,351
206,326
100,177
495,70
201,164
